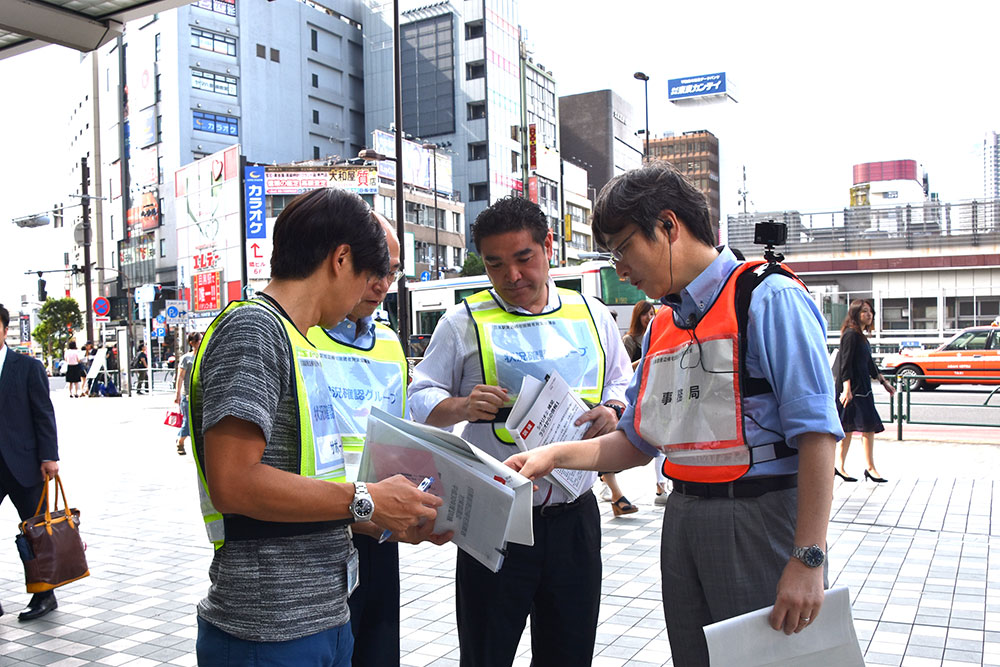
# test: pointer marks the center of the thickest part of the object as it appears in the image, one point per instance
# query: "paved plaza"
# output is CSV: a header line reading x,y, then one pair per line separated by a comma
x,y
920,554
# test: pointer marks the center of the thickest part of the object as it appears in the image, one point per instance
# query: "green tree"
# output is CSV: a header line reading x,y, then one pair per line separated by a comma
x,y
473,265
57,320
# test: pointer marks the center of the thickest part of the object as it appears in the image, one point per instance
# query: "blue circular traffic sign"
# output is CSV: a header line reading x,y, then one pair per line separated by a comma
x,y
172,311
425,276
101,306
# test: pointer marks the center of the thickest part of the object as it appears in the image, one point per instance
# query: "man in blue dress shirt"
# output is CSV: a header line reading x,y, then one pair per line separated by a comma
x,y
743,409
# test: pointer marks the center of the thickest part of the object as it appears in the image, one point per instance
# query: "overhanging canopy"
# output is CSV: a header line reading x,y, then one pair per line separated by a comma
x,y
83,25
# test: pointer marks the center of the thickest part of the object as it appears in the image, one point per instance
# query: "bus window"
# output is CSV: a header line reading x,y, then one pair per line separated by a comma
x,y
575,283
467,292
617,292
427,320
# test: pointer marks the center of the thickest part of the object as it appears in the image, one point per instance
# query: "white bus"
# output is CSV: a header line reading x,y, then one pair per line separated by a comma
x,y
429,299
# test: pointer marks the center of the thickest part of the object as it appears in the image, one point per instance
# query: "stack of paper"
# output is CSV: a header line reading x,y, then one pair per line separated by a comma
x,y
486,503
545,412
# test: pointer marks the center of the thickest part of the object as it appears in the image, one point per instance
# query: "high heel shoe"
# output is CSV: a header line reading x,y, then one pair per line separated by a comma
x,y
623,506
877,480
844,477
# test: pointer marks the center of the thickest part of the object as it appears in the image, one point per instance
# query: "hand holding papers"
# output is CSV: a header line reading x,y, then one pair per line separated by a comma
x,y
486,503
545,412
749,641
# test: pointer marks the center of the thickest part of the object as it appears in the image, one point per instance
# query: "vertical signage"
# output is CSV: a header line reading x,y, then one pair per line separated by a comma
x,y
207,291
254,180
532,147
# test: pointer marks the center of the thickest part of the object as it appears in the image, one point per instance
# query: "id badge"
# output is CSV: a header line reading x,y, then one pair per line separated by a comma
x,y
352,572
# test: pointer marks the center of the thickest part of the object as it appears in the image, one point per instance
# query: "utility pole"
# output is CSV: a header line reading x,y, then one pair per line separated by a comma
x,y
744,192
85,202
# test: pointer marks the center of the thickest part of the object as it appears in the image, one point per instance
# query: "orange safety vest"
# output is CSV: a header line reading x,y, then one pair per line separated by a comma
x,y
690,402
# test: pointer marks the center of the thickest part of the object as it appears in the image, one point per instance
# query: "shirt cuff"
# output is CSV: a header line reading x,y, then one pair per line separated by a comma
x,y
422,403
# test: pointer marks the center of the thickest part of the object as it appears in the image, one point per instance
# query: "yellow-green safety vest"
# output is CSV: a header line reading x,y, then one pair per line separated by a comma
x,y
321,448
512,345
361,378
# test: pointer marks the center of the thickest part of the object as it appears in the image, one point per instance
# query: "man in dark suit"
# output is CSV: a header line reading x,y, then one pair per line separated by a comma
x,y
28,447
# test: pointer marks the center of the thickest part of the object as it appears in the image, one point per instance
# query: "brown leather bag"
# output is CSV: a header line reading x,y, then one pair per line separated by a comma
x,y
50,544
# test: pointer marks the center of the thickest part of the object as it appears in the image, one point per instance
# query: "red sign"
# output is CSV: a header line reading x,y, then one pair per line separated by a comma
x,y
205,260
533,188
207,288
532,152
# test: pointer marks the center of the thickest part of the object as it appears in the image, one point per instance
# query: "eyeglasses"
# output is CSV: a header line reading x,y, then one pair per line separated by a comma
x,y
616,253
394,276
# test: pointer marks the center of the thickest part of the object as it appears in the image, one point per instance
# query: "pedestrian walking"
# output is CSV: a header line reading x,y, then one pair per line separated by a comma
x,y
140,364
182,383
74,369
29,451
856,405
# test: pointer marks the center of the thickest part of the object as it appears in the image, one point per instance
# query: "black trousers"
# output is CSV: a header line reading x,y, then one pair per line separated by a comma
x,y
375,604
25,499
557,582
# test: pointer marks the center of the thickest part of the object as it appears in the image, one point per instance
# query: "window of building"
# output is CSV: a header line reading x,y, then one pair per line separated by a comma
x,y
210,82
478,151
428,75
213,41
163,247
158,92
159,169
314,40
316,116
315,80
156,48
456,220
315,152
474,29
225,7
159,128
476,70
216,123
478,192
477,110
456,257
261,51
275,55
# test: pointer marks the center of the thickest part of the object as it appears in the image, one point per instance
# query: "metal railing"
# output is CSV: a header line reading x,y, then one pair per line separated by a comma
x,y
901,405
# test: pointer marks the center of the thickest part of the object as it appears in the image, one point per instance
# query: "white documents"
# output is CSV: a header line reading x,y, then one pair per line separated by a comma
x,y
750,641
486,503
545,412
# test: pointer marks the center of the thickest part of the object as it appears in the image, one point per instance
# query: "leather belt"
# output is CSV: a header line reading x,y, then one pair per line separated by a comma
x,y
741,488
562,508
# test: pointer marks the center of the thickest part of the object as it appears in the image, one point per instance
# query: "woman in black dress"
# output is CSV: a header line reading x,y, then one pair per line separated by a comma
x,y
854,386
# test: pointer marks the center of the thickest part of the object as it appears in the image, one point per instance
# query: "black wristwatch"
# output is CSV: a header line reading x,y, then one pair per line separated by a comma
x,y
619,410
812,556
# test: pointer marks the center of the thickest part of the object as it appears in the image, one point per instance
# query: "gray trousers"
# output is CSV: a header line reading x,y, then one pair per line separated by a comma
x,y
720,558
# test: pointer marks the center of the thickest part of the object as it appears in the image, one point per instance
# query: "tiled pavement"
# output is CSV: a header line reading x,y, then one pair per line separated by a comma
x,y
920,556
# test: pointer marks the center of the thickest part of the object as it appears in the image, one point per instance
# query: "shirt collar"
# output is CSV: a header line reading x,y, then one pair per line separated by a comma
x,y
701,292
552,304
348,330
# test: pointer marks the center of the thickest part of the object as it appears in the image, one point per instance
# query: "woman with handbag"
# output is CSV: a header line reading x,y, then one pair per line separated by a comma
x,y
183,382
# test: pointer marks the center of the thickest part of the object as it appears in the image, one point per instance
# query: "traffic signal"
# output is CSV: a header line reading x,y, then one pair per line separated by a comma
x,y
42,295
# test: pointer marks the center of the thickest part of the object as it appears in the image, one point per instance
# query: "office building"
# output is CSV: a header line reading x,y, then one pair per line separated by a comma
x,y
283,80
460,86
596,132
696,155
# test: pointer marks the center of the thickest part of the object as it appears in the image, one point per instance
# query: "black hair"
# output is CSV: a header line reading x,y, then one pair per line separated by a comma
x,y
315,223
71,345
4,316
510,214
638,197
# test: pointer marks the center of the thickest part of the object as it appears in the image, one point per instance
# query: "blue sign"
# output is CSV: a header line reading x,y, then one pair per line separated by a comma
x,y
696,86
172,312
425,276
160,332
101,306
253,183
160,319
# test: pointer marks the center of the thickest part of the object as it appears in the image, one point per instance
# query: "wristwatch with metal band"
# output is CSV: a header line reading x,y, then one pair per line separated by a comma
x,y
812,556
362,506
619,410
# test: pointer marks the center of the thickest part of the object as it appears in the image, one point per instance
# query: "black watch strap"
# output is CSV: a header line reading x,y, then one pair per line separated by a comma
x,y
619,410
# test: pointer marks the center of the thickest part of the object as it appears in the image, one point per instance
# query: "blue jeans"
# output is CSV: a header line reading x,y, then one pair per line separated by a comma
x,y
329,648
185,425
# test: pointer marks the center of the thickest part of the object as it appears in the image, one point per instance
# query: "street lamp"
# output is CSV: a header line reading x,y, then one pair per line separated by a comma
x,y
645,89
437,248
402,309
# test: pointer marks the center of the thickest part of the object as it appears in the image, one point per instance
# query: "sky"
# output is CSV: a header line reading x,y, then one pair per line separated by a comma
x,y
819,87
